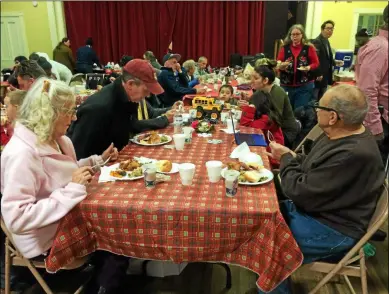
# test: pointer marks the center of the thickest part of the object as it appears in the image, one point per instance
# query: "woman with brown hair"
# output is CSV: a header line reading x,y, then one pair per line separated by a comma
x,y
63,54
296,59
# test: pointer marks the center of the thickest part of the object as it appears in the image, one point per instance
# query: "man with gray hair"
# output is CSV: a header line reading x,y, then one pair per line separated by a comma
x,y
332,191
201,68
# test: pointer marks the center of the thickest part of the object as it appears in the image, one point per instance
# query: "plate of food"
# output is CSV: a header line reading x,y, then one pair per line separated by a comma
x,y
167,167
151,139
251,174
127,170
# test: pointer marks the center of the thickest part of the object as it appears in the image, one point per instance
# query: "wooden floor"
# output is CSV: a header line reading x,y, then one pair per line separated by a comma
x,y
203,278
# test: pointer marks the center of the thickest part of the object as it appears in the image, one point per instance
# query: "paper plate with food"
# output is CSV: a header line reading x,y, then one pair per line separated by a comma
x,y
151,139
303,68
251,174
167,167
127,170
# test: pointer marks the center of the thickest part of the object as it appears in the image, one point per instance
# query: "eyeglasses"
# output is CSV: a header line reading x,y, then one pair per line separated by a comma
x,y
317,106
329,29
298,34
69,112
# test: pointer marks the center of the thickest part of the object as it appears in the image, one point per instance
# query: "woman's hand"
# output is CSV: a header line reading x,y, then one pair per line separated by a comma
x,y
283,65
82,175
245,96
177,104
242,103
110,152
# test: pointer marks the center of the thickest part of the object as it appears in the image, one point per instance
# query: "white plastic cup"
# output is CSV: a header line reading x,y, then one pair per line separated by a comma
x,y
214,169
150,175
238,114
224,116
179,141
192,113
231,182
188,134
229,125
187,171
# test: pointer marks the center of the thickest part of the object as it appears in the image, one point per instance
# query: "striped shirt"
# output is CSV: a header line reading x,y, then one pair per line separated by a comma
x,y
371,73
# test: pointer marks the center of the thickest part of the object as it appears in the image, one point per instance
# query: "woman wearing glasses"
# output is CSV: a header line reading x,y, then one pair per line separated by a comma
x,y
41,180
296,59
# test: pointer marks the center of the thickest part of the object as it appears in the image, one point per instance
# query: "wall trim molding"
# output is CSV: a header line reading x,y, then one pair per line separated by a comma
x,y
52,25
314,15
356,13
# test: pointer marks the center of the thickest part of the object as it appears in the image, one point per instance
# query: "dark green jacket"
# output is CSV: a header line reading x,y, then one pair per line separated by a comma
x,y
63,54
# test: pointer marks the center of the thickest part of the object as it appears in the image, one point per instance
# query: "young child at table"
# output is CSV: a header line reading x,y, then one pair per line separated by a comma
x,y
12,101
226,94
266,118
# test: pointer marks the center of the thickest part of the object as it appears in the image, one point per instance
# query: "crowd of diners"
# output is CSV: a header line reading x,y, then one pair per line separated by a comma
x,y
327,194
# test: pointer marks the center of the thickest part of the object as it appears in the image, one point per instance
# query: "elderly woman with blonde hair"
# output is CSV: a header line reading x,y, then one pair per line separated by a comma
x,y
190,68
41,179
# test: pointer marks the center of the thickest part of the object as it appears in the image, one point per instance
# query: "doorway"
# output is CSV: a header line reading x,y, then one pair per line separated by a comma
x,y
13,38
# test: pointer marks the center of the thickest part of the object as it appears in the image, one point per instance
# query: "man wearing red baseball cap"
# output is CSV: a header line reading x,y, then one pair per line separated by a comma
x,y
110,115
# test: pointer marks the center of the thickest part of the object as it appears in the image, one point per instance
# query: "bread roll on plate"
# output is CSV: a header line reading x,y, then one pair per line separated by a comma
x,y
164,166
252,176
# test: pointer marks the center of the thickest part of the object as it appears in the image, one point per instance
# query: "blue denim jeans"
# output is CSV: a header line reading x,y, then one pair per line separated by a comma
x,y
316,240
301,95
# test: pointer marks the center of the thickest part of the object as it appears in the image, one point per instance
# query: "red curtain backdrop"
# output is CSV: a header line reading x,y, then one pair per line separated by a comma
x,y
211,29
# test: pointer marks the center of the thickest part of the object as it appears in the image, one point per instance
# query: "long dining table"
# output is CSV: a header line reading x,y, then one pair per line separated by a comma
x,y
196,223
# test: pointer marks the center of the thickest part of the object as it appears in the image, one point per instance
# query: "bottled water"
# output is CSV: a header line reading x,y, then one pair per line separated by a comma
x,y
178,120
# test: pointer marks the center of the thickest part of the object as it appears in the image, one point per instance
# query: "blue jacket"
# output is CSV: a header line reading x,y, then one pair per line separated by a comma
x,y
175,85
192,81
86,56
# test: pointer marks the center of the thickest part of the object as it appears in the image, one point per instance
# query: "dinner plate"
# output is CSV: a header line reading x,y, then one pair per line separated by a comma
x,y
263,173
108,169
136,140
173,170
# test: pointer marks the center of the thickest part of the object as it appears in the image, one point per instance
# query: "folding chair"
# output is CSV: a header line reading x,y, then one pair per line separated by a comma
x,y
14,258
93,80
352,264
312,135
77,79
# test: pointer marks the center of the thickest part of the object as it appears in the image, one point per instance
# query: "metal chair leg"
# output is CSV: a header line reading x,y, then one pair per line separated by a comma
x,y
144,267
228,275
7,267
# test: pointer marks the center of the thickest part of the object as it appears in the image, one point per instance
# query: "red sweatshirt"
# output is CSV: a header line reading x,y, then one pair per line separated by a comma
x,y
296,51
263,123
6,134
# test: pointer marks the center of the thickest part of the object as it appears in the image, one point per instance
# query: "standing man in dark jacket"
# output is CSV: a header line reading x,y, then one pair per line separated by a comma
x,y
86,57
109,115
173,80
324,52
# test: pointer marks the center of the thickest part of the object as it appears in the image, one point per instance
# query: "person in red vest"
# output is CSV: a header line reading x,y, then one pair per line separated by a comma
x,y
296,61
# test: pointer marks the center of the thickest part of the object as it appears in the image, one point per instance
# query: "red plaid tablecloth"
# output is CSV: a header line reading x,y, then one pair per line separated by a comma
x,y
181,223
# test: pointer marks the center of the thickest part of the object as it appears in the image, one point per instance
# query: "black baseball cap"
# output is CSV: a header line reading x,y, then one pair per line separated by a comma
x,y
170,56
